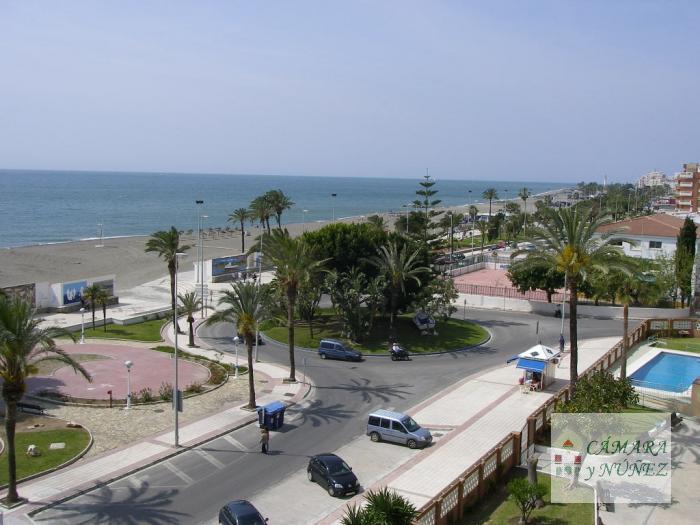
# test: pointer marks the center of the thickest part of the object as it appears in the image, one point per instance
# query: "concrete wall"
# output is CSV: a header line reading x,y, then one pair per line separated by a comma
x,y
602,312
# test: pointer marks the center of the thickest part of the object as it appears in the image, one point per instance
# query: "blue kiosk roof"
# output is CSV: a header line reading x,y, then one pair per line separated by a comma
x,y
531,364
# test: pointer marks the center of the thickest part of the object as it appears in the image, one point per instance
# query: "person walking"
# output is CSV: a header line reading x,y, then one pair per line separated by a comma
x,y
264,439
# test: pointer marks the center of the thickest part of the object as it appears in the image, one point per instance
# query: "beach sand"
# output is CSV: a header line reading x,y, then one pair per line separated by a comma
x,y
125,256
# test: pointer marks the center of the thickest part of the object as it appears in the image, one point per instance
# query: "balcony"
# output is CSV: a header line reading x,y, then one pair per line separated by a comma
x,y
684,203
685,193
685,184
684,175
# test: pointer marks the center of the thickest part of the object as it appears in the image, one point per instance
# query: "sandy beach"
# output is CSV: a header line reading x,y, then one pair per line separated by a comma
x,y
125,256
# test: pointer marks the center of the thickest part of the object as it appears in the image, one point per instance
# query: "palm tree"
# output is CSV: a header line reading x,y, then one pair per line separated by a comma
x,y
294,263
483,228
241,215
398,266
524,194
383,506
566,242
246,305
278,202
491,194
102,298
23,344
262,210
190,304
167,245
90,294
378,221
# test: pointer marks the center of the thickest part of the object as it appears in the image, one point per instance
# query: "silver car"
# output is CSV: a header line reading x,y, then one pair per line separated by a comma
x,y
396,427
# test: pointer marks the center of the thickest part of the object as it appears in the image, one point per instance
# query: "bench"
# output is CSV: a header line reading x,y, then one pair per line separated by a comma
x,y
30,408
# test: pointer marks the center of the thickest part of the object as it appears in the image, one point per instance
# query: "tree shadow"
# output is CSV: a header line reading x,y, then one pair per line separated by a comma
x,y
106,506
500,323
370,392
318,413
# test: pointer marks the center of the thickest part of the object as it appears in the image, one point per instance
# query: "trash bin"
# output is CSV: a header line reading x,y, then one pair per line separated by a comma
x,y
272,415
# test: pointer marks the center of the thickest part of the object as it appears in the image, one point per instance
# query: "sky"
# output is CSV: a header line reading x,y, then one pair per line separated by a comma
x,y
497,90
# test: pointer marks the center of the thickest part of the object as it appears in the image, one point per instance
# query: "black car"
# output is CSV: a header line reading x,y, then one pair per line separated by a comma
x,y
330,471
240,512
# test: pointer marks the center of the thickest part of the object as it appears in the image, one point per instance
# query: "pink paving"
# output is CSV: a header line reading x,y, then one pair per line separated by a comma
x,y
149,370
495,282
488,277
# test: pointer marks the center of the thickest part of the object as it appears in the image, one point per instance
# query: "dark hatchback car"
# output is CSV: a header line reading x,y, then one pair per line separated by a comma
x,y
240,512
330,471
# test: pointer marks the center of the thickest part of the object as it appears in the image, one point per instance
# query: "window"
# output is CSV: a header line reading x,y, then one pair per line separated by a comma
x,y
374,421
655,244
386,423
395,425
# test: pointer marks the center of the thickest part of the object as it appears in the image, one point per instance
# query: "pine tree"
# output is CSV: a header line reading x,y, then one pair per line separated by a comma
x,y
426,203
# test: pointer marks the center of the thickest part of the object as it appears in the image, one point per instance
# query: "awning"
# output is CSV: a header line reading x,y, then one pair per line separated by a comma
x,y
531,364
512,358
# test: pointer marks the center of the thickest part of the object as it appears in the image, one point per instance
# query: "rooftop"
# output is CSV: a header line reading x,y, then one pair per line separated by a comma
x,y
658,225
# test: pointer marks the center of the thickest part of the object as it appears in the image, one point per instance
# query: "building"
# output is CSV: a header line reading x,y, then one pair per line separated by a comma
x,y
652,235
688,188
653,178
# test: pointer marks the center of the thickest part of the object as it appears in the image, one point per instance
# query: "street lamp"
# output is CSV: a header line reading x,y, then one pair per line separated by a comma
x,y
199,203
201,267
100,225
333,196
407,206
176,391
236,340
82,326
128,365
304,212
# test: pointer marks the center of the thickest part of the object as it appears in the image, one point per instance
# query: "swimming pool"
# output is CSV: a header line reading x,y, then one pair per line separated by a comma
x,y
667,371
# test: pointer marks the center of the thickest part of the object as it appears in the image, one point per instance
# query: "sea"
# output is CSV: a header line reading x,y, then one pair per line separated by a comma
x,y
43,207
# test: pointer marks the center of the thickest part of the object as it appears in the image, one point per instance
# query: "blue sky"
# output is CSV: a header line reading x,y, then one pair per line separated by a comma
x,y
523,90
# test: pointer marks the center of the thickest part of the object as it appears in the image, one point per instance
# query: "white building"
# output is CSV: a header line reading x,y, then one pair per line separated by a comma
x,y
653,178
652,236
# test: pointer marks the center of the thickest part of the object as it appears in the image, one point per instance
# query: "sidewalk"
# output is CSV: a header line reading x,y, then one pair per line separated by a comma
x,y
84,475
467,419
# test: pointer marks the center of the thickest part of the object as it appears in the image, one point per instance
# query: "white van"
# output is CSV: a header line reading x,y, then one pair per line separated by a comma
x,y
396,427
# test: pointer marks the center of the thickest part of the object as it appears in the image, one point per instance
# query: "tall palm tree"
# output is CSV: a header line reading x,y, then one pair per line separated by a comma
x,y
262,210
23,344
167,245
568,242
378,221
491,194
398,266
294,263
102,298
190,304
524,194
483,228
246,305
90,294
278,202
241,215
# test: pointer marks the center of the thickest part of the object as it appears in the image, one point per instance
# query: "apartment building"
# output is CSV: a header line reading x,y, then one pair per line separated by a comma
x,y
688,188
653,178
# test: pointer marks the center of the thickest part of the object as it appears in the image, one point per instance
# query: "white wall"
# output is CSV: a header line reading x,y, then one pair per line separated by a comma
x,y
642,250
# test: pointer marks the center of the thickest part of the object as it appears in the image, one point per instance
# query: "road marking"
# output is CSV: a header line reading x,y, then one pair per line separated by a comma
x,y
180,474
135,482
211,459
236,443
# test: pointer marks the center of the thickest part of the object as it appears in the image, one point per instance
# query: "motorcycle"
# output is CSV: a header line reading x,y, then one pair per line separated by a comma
x,y
399,354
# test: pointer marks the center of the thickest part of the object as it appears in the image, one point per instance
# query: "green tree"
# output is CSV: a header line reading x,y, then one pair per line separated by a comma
x,y
279,202
90,294
23,345
309,296
525,496
102,299
684,272
513,208
261,210
448,222
438,298
600,392
246,306
491,195
377,221
399,266
166,244
524,194
294,263
356,300
427,204
569,243
190,304
241,215
483,228
533,275
383,507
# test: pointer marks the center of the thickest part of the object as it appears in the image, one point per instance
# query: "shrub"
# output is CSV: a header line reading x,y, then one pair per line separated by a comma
x,y
194,388
145,395
525,496
166,391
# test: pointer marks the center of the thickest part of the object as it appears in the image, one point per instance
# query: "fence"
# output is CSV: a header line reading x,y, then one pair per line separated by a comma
x,y
511,293
452,503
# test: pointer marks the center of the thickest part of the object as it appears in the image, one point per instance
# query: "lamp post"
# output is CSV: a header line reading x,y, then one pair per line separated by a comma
x,y
198,203
176,391
201,269
333,196
473,222
304,212
82,326
128,365
236,340
408,207
100,225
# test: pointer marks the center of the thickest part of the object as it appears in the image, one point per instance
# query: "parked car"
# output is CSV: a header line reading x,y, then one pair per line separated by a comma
x,y
330,348
331,472
423,321
383,425
240,512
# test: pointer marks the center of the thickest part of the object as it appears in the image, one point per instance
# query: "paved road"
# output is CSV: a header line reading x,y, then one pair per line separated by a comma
x,y
191,487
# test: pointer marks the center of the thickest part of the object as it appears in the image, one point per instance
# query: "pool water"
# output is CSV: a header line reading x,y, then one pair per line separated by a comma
x,y
670,372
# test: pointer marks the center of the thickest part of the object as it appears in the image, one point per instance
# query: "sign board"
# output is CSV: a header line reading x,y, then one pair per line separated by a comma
x,y
229,265
73,292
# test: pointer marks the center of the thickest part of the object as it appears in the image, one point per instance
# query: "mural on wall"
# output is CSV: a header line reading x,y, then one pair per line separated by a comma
x,y
25,292
228,265
73,292
107,286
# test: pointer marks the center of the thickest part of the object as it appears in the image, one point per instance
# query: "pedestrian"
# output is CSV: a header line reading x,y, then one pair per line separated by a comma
x,y
264,439
561,342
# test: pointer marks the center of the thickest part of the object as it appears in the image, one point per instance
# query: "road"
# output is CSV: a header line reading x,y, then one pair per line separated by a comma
x,y
191,487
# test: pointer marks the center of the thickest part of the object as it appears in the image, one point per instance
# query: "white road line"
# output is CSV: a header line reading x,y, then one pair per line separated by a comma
x,y
180,474
135,482
236,443
211,459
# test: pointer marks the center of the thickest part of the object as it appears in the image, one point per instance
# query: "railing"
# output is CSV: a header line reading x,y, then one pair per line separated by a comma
x,y
512,293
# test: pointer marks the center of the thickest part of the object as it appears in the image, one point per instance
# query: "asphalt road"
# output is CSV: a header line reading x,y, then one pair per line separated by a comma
x,y
191,487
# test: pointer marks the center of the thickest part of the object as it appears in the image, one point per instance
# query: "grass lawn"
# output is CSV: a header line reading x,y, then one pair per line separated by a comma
x,y
686,344
146,331
76,439
497,509
452,334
